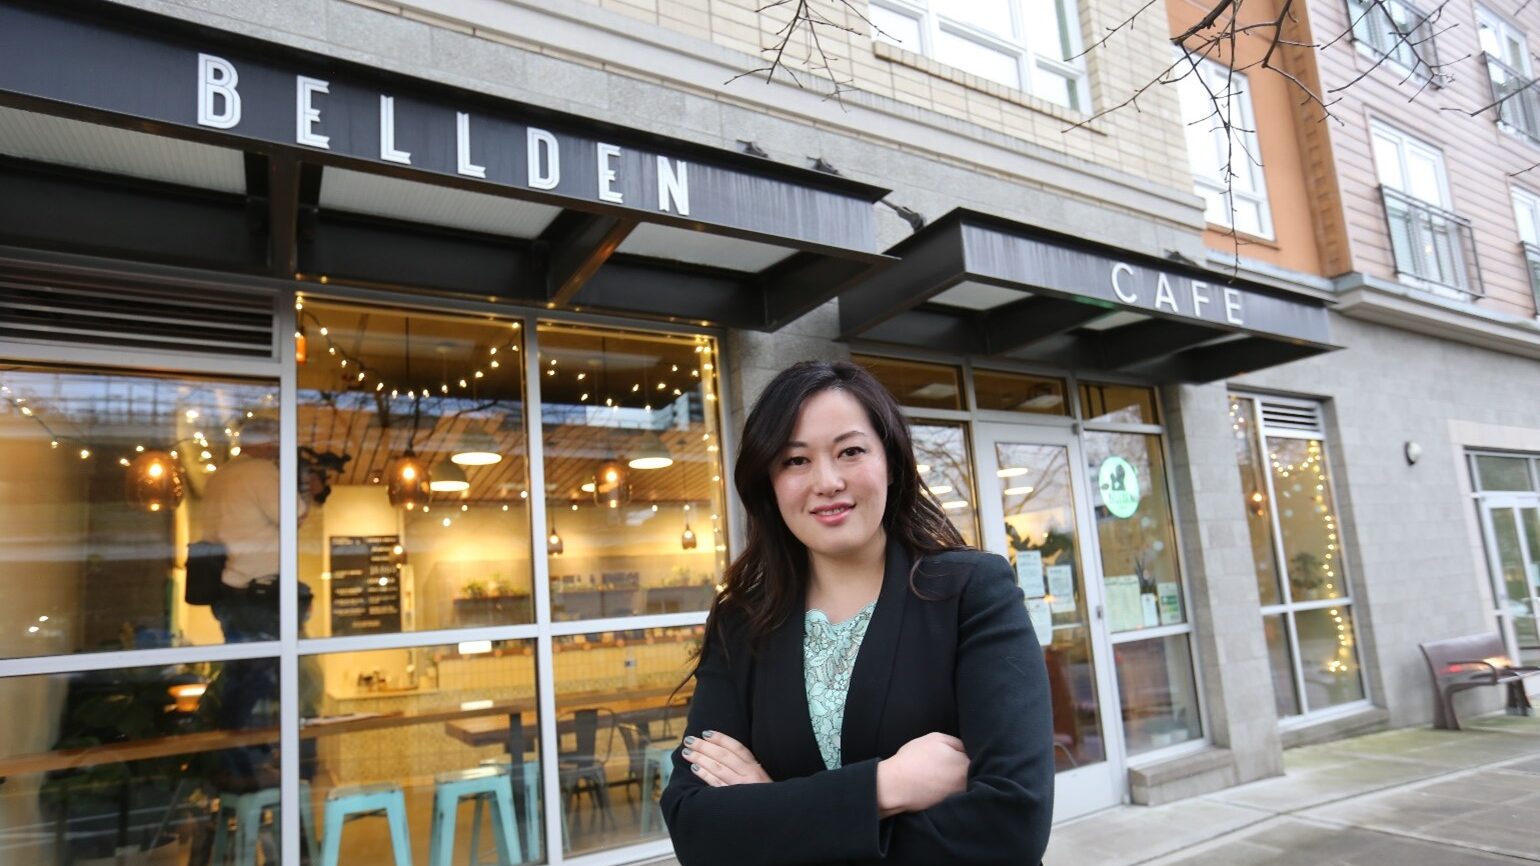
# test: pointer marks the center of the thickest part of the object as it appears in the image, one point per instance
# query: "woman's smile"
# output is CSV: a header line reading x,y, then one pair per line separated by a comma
x,y
833,515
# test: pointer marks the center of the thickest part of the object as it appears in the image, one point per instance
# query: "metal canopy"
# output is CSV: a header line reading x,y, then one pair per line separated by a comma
x,y
404,184
975,285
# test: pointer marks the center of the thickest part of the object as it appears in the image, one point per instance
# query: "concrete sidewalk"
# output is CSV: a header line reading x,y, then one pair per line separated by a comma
x,y
1410,797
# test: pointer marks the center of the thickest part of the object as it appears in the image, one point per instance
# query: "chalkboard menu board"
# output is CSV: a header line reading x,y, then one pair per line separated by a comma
x,y
366,586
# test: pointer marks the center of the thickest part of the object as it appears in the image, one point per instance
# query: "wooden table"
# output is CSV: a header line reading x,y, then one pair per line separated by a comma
x,y
488,730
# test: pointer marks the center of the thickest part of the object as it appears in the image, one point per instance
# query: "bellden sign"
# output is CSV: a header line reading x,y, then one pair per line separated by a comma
x,y
240,93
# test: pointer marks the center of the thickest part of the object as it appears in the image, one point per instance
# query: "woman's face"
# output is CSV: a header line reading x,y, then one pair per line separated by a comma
x,y
831,479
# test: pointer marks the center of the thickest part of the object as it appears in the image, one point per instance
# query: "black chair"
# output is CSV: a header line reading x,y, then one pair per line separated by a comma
x,y
582,770
637,743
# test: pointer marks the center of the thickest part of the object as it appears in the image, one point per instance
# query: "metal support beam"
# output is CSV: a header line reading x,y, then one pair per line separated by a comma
x,y
283,183
579,244
410,256
931,264
659,289
927,329
803,282
1229,359
1021,323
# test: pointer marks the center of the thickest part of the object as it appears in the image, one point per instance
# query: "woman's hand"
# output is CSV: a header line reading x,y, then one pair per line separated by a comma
x,y
924,772
721,760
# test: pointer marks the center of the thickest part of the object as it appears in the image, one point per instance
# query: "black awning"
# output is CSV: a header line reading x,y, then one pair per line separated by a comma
x,y
976,285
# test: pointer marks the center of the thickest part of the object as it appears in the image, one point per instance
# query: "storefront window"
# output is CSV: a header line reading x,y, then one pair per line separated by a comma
x,y
396,729
134,760
1135,528
1294,527
1121,404
946,466
1015,392
913,383
413,469
1160,698
633,472
621,713
1500,473
108,478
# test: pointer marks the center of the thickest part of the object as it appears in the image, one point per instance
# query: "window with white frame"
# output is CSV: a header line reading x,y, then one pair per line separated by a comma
x,y
1526,210
1397,30
1026,44
1503,41
1508,68
1433,247
1222,146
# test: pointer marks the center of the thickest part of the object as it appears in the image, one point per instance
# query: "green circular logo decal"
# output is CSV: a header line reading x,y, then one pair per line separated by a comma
x,y
1119,483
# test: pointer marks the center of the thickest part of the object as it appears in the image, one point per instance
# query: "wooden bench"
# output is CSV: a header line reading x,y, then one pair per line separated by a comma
x,y
1469,662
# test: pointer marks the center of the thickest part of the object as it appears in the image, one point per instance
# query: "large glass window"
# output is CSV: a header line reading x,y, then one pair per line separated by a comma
x,y
108,478
1026,44
915,383
1018,392
633,472
415,472
945,463
1297,546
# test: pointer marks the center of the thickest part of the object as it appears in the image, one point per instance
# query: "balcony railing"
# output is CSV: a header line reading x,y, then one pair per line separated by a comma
x,y
1532,266
1432,246
1517,97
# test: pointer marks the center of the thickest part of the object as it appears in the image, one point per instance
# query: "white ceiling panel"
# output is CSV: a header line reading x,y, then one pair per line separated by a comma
x,y
978,296
75,143
379,195
699,248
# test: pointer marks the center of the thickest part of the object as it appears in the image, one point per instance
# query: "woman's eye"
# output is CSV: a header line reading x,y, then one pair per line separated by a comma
x,y
853,451
794,461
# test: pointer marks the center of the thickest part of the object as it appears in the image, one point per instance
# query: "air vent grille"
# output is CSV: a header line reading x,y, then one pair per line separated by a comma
x,y
136,317
1298,417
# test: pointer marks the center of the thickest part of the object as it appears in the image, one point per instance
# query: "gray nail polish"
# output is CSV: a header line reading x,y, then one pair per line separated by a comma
x,y
707,734
689,741
687,753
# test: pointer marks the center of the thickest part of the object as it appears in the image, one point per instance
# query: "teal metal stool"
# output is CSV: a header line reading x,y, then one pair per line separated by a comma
x,y
248,810
486,785
359,801
531,782
661,759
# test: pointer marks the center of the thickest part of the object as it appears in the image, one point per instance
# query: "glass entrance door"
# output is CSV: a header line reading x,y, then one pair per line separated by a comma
x,y
1033,502
1513,540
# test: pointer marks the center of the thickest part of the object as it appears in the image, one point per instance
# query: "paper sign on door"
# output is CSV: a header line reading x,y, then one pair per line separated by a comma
x,y
1061,585
1042,620
1029,572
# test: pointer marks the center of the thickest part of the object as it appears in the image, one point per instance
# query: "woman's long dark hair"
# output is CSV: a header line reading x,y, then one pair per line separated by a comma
x,y
768,581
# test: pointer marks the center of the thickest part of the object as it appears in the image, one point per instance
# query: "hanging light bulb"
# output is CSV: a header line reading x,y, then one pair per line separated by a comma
x,y
612,484
553,543
153,482
687,538
300,354
409,480
448,477
476,449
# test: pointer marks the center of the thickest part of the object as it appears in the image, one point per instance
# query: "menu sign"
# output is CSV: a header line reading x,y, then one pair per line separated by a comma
x,y
365,585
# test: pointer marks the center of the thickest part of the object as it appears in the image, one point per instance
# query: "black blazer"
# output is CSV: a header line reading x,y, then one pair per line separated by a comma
x,y
966,663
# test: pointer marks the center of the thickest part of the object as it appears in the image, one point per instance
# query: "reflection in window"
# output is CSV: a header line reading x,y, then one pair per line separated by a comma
x,y
945,465
1158,693
108,477
411,441
1328,658
1248,455
1136,531
1496,472
1307,518
403,725
1122,404
633,472
134,759
620,719
1285,693
913,383
1016,392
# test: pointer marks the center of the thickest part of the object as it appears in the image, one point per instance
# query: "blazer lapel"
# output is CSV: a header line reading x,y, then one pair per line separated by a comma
x,y
868,690
783,691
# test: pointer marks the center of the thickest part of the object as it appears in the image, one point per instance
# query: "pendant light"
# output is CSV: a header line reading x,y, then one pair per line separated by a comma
x,y
476,449
153,482
612,484
409,481
448,477
553,543
687,538
651,454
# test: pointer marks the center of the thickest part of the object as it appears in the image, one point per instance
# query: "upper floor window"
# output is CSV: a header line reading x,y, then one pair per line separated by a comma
x,y
1025,44
1526,209
1396,30
1433,247
1222,147
1509,71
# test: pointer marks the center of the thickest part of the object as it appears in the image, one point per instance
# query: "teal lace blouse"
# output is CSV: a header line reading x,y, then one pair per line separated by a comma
x,y
828,656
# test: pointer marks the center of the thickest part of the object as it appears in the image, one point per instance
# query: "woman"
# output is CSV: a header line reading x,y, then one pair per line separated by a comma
x,y
869,689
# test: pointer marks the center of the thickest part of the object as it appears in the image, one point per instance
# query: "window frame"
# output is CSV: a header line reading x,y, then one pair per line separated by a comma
x,y
1248,148
1366,45
1031,50
1287,607
1487,20
1468,265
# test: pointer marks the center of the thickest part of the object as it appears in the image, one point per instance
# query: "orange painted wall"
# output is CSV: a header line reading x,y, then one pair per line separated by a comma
x,y
1301,241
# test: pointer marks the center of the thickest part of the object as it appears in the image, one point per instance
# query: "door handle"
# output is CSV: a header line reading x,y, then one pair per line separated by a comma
x,y
1098,611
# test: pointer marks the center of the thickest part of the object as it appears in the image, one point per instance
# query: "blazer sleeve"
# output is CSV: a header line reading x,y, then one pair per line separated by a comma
x,y
828,816
1006,726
